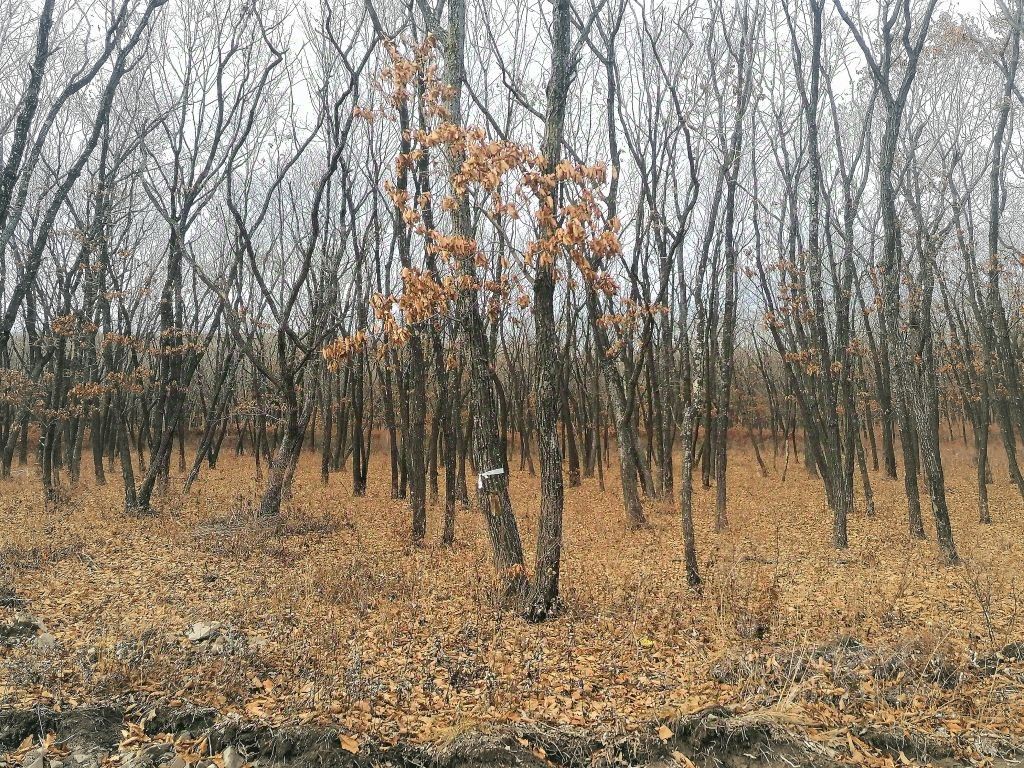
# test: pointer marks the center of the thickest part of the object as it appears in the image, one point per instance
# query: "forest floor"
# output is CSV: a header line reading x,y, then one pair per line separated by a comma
x,y
378,651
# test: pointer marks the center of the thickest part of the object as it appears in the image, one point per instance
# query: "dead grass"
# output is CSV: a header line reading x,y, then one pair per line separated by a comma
x,y
344,623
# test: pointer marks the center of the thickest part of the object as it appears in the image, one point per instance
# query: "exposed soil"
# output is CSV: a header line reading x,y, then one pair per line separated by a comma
x,y
148,735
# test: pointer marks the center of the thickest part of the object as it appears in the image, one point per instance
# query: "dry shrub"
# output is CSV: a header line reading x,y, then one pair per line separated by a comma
x,y
153,656
358,583
987,587
9,597
128,662
745,594
242,532
35,555
890,610
846,674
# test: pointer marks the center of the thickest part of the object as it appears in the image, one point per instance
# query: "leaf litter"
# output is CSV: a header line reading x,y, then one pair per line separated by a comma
x,y
330,619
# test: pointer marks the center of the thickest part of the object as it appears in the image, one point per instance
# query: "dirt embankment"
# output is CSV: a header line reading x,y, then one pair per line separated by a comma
x,y
151,735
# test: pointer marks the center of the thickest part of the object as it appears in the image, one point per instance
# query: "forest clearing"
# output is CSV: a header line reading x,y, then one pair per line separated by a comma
x,y
331,619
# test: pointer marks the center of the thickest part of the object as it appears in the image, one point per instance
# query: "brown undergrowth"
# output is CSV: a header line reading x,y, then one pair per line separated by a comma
x,y
330,618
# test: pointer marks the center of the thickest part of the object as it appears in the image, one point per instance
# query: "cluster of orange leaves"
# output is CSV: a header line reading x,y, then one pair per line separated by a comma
x,y
513,177
344,347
